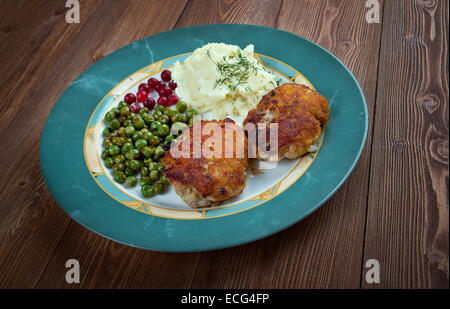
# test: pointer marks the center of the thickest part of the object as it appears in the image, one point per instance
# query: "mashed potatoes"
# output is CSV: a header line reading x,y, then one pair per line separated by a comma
x,y
221,80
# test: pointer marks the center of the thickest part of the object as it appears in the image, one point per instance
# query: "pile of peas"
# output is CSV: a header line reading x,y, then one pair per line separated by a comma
x,y
135,143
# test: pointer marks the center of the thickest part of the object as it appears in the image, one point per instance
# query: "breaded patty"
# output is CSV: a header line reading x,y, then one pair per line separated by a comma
x,y
210,178
299,111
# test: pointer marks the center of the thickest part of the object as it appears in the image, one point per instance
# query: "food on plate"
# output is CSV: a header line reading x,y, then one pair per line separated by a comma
x,y
138,133
146,135
299,112
211,177
221,80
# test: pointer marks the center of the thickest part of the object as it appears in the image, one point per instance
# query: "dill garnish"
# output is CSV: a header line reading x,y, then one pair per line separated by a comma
x,y
234,69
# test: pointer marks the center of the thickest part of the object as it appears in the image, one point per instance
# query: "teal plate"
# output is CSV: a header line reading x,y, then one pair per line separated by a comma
x,y
76,179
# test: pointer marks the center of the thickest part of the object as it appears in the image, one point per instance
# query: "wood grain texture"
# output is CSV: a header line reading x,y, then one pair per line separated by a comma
x,y
407,220
256,12
394,206
338,226
29,215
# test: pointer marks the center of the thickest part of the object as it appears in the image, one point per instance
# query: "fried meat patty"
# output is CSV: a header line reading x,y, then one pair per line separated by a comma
x,y
211,178
299,112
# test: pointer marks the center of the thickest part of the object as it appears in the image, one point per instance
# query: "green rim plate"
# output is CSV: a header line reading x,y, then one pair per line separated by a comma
x,y
71,184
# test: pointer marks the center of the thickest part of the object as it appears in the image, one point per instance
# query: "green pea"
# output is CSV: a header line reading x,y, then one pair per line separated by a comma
x,y
154,141
119,176
106,132
125,111
156,114
155,125
134,165
137,135
147,135
159,152
133,154
154,175
130,130
164,119
109,162
163,180
147,151
105,154
148,161
144,171
146,191
114,124
127,147
140,143
158,188
129,171
159,167
181,118
107,146
122,132
116,111
159,108
170,138
119,141
177,128
171,111
118,167
131,181
144,110
152,166
144,180
109,116
163,130
122,104
114,150
138,122
127,123
148,119
113,133
119,158
191,112
181,106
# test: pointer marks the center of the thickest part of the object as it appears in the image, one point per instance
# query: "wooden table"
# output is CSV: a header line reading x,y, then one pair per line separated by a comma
x,y
393,208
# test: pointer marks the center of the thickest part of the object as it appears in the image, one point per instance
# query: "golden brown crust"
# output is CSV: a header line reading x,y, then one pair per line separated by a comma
x,y
299,112
203,181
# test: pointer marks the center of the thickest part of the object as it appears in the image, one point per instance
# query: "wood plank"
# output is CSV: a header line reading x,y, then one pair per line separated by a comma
x,y
31,223
272,262
142,269
407,220
256,12
339,225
